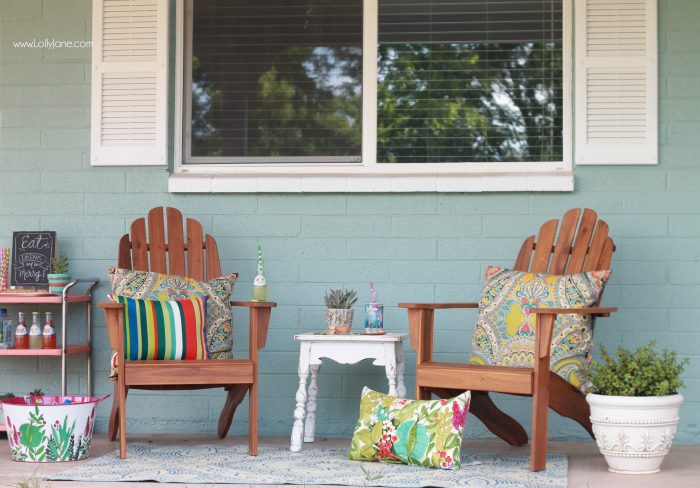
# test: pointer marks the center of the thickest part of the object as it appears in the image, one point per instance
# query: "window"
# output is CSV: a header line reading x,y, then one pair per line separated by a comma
x,y
451,84
374,95
274,81
469,81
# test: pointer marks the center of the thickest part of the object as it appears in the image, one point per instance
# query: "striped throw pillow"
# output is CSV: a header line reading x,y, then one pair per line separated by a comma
x,y
164,329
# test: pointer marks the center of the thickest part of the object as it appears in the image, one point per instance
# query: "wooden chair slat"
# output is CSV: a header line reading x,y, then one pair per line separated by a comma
x,y
124,259
523,261
543,248
176,242
596,249
606,255
567,229
156,240
195,250
583,238
213,265
139,246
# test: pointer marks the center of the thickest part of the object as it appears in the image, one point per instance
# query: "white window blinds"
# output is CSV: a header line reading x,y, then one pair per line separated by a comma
x,y
470,81
616,82
129,82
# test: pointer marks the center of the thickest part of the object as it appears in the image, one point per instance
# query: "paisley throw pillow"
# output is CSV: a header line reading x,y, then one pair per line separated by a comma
x,y
505,328
420,432
147,285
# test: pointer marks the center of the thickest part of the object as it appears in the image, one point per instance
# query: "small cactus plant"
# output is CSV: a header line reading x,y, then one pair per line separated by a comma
x,y
342,299
59,265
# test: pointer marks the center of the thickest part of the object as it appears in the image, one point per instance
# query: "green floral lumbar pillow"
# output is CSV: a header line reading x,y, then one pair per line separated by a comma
x,y
420,432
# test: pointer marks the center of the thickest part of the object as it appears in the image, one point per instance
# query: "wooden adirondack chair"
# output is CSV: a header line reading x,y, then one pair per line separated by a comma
x,y
592,250
195,256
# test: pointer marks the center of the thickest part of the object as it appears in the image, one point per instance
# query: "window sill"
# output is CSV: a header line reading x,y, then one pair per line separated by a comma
x,y
369,183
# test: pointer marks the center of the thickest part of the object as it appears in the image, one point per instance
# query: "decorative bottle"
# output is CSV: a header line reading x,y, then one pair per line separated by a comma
x,y
21,338
260,283
35,340
49,335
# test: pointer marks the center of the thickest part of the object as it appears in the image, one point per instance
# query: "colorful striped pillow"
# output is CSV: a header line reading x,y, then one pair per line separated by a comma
x,y
164,329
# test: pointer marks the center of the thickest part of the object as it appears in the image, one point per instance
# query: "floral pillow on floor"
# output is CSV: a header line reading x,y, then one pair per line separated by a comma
x,y
420,432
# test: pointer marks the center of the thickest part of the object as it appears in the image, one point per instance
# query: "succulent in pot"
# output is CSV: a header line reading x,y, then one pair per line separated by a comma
x,y
339,312
634,407
4,396
59,276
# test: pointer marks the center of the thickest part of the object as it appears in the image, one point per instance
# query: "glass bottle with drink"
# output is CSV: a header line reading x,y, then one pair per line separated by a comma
x,y
49,335
5,329
35,339
21,337
260,283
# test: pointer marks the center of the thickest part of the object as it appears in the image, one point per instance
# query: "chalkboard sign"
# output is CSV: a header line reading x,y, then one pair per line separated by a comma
x,y
31,257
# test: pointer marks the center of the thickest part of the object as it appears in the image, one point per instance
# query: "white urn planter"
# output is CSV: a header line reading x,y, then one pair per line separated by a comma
x,y
634,433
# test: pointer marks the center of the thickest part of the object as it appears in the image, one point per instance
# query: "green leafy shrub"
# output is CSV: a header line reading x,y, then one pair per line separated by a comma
x,y
644,372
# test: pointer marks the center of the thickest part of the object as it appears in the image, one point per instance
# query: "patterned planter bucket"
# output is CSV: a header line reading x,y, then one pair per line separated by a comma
x,y
58,281
50,429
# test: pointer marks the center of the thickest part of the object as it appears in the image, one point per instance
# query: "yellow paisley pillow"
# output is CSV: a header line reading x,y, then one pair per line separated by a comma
x,y
505,328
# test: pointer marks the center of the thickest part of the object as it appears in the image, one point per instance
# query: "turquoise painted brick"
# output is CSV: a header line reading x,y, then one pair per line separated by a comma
x,y
435,226
36,159
483,204
682,86
384,248
149,181
301,204
53,117
369,204
496,251
37,74
15,138
36,203
219,204
433,271
95,204
20,10
66,138
338,271
20,182
256,226
684,225
66,181
345,226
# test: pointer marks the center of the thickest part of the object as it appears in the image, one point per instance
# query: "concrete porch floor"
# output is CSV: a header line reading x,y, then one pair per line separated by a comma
x,y
587,468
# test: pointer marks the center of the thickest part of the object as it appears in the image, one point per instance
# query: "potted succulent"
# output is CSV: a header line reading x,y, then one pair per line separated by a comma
x,y
339,313
59,276
634,407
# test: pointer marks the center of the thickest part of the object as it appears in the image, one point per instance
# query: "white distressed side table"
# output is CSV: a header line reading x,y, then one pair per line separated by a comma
x,y
386,350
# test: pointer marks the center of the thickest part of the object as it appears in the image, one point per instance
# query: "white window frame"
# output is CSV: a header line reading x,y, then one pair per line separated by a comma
x,y
368,175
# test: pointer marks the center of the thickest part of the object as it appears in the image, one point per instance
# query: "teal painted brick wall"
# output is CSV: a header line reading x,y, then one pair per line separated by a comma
x,y
416,247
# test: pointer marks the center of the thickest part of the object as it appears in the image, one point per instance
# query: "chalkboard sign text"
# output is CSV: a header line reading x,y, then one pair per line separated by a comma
x,y
31,257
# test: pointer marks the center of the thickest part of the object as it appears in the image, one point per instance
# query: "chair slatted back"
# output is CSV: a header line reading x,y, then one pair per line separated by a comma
x,y
163,247
582,244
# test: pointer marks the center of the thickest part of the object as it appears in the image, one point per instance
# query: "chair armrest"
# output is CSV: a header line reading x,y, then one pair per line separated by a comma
x,y
258,323
254,304
434,306
602,311
114,321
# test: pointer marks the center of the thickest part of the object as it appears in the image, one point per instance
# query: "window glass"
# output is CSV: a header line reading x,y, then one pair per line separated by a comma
x,y
469,81
276,80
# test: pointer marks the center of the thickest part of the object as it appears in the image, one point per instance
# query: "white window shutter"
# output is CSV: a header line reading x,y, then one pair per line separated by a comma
x,y
616,82
129,82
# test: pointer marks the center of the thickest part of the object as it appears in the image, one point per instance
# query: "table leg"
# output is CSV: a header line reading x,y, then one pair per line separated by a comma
x,y
390,366
401,386
298,429
310,424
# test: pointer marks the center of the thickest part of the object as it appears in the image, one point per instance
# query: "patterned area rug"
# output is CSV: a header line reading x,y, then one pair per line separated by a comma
x,y
274,466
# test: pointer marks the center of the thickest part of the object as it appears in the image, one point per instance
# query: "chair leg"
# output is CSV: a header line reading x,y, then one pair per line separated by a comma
x,y
253,420
422,393
113,428
568,401
235,396
540,410
122,417
497,421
